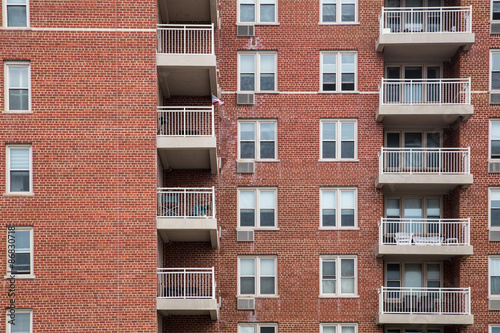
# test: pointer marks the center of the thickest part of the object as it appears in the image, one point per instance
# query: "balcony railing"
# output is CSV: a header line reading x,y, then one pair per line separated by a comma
x,y
186,121
197,39
186,202
420,231
425,91
426,20
437,301
186,283
438,161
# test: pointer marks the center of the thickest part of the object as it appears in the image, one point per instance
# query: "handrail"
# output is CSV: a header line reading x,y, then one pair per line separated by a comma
x,y
186,39
185,283
186,121
187,203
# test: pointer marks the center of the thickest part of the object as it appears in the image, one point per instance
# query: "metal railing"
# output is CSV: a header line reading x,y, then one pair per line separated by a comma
x,y
186,202
186,121
186,283
438,301
426,20
440,161
420,231
424,91
186,39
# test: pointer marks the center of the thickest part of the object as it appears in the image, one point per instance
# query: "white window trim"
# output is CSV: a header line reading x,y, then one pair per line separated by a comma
x,y
257,208
257,123
32,256
19,310
490,89
403,328
339,14
257,15
489,207
490,296
4,16
338,326
7,169
338,286
424,271
491,326
338,208
338,141
257,72
338,83
257,277
257,326
6,66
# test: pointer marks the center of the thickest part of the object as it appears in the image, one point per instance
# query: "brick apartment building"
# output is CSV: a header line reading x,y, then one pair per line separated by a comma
x,y
349,183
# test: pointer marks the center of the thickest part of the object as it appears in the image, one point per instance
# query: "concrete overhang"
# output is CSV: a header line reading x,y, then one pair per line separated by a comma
x,y
424,319
443,252
421,115
400,183
188,230
189,10
187,307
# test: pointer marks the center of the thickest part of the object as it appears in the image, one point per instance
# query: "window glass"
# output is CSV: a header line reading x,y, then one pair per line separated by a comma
x,y
17,13
267,72
328,211
267,276
348,10
347,208
347,276
267,143
495,208
22,324
495,329
247,137
347,145
495,139
329,11
18,87
495,276
495,67
496,10
247,208
329,276
247,10
19,169
329,137
329,72
267,10
267,208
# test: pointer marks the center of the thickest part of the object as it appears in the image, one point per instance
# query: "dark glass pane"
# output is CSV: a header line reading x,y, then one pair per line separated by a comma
x,y
16,16
22,264
267,217
495,148
247,218
18,99
267,82
328,217
267,330
348,13
247,13
329,149
495,80
247,149
19,181
247,82
392,140
329,13
329,87
393,284
495,217
329,82
496,10
347,217
496,15
347,149
267,149
267,285
347,81
247,285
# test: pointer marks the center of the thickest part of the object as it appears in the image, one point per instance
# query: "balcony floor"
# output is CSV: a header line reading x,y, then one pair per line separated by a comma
x,y
187,307
418,116
436,252
401,183
423,319
188,230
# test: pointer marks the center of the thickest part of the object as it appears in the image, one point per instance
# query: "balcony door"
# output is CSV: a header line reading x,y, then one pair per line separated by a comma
x,y
416,84
413,275
418,216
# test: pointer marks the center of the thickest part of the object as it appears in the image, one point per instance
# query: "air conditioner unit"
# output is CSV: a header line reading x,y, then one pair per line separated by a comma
x,y
494,167
246,304
245,99
494,98
244,235
245,31
245,167
494,28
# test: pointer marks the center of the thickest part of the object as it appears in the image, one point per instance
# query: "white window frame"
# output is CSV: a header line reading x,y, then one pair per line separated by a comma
x,y
258,276
491,326
491,9
31,251
257,191
257,15
338,208
7,168
490,88
258,326
490,295
4,16
490,227
7,65
338,141
19,310
338,326
257,124
338,287
424,264
257,72
338,76
338,20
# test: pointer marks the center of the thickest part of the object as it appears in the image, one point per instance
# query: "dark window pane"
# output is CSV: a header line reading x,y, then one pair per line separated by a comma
x,y
329,82
267,149
247,82
16,16
329,13
495,285
348,13
247,13
495,149
247,285
347,149
267,330
247,149
247,218
328,217
347,217
266,82
22,264
495,80
496,15
267,217
267,285
496,10
19,181
393,284
18,99
347,81
329,87
267,13
329,149
495,217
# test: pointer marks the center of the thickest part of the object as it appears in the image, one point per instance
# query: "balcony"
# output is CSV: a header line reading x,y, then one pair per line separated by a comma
x,y
186,137
439,238
188,11
187,215
432,33
187,291
430,169
441,102
186,60
433,306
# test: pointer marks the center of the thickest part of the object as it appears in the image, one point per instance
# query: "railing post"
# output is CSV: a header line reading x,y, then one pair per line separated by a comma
x,y
184,204
213,121
380,227
213,202
213,283
411,300
381,300
212,38
381,162
184,284
381,93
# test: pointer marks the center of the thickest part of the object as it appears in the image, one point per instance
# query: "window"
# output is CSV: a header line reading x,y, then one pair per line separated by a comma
x,y
494,208
21,323
257,328
257,276
17,79
338,139
495,139
15,13
20,243
495,276
257,207
495,69
338,208
338,71
339,328
257,71
332,283
257,11
417,215
495,10
19,166
257,139
494,328
412,274
345,13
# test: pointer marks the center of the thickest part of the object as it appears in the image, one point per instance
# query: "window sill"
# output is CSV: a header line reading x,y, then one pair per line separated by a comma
x,y
257,229
339,23
21,276
342,160
339,229
340,296
17,28
258,23
259,161
18,112
338,92
252,296
274,92
19,194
